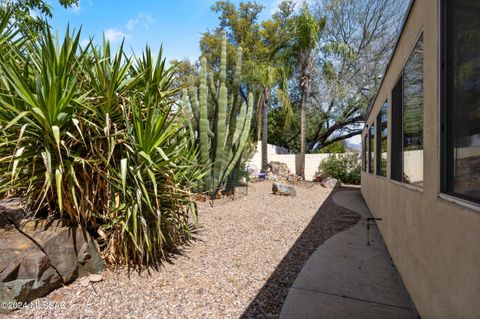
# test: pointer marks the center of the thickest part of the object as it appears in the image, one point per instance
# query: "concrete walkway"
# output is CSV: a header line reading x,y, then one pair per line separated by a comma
x,y
346,278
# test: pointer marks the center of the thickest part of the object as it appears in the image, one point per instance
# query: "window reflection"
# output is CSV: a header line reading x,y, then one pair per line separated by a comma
x,y
371,149
413,117
463,94
382,122
365,152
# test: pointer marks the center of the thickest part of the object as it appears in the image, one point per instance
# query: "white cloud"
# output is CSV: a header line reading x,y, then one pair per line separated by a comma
x,y
143,20
114,35
132,23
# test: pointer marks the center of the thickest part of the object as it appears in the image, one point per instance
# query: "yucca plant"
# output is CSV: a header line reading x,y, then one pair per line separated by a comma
x,y
42,96
87,135
152,205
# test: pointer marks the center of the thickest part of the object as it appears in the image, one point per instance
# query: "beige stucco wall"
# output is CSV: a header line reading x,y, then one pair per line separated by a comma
x,y
434,242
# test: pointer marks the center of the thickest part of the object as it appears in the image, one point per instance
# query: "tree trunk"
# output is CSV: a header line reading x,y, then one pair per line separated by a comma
x,y
302,134
304,89
265,129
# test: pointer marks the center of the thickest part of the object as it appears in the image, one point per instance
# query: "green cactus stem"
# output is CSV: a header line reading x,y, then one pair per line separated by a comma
x,y
204,124
221,142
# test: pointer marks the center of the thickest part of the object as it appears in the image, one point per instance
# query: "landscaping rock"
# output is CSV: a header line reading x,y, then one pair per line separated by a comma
x,y
37,257
319,177
10,211
283,190
85,281
279,168
294,179
279,172
95,277
330,182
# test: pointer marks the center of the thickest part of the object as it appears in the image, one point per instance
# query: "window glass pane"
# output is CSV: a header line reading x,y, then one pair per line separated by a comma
x,y
382,121
365,153
413,117
396,157
371,149
463,98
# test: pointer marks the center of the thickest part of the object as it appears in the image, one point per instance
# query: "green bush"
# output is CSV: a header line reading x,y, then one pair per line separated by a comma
x,y
337,147
344,167
97,138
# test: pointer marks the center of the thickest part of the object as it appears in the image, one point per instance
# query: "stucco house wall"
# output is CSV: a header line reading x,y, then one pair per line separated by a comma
x,y
433,239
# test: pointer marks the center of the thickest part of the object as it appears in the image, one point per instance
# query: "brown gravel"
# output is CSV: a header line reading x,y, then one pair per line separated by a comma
x,y
247,255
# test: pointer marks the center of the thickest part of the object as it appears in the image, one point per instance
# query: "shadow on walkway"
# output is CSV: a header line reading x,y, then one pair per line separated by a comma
x,y
327,221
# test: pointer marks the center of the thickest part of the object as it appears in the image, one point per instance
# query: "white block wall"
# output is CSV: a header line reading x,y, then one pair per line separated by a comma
x,y
312,161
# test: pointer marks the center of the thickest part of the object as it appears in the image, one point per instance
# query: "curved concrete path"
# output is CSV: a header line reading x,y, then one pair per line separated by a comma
x,y
346,278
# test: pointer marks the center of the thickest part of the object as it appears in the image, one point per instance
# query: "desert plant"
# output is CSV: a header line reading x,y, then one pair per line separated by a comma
x,y
344,167
336,147
221,143
97,139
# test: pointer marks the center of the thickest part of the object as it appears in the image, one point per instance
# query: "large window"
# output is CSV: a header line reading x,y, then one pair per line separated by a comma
x,y
371,149
413,117
407,121
461,107
382,135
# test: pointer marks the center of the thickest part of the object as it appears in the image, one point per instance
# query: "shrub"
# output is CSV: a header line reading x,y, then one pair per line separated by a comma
x,y
337,147
344,167
97,138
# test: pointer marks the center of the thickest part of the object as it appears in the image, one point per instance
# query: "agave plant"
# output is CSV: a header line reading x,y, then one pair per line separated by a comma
x,y
96,138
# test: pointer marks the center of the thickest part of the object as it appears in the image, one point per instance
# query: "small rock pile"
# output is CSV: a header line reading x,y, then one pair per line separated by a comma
x,y
279,172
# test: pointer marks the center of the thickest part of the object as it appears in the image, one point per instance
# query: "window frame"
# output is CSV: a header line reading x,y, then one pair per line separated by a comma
x,y
397,123
396,154
371,161
447,159
379,136
419,37
365,152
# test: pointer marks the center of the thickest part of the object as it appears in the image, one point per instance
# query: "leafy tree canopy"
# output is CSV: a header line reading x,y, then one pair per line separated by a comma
x,y
29,14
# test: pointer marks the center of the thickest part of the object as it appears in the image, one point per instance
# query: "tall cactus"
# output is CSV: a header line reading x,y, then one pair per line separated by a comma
x,y
203,124
221,143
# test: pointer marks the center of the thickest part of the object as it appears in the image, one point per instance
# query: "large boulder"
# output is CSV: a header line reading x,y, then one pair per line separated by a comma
x,y
283,190
37,257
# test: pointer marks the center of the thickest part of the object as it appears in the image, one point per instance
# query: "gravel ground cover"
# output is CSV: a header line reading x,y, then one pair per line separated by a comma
x,y
246,256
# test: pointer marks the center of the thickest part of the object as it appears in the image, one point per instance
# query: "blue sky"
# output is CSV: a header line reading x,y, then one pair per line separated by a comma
x,y
177,24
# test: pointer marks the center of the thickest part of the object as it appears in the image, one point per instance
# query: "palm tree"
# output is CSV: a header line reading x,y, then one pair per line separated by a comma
x,y
306,36
266,76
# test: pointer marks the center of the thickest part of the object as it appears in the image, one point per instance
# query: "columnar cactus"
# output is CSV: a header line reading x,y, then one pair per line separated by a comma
x,y
221,143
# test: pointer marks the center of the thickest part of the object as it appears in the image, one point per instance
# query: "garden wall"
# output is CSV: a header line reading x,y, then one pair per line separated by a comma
x,y
280,154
